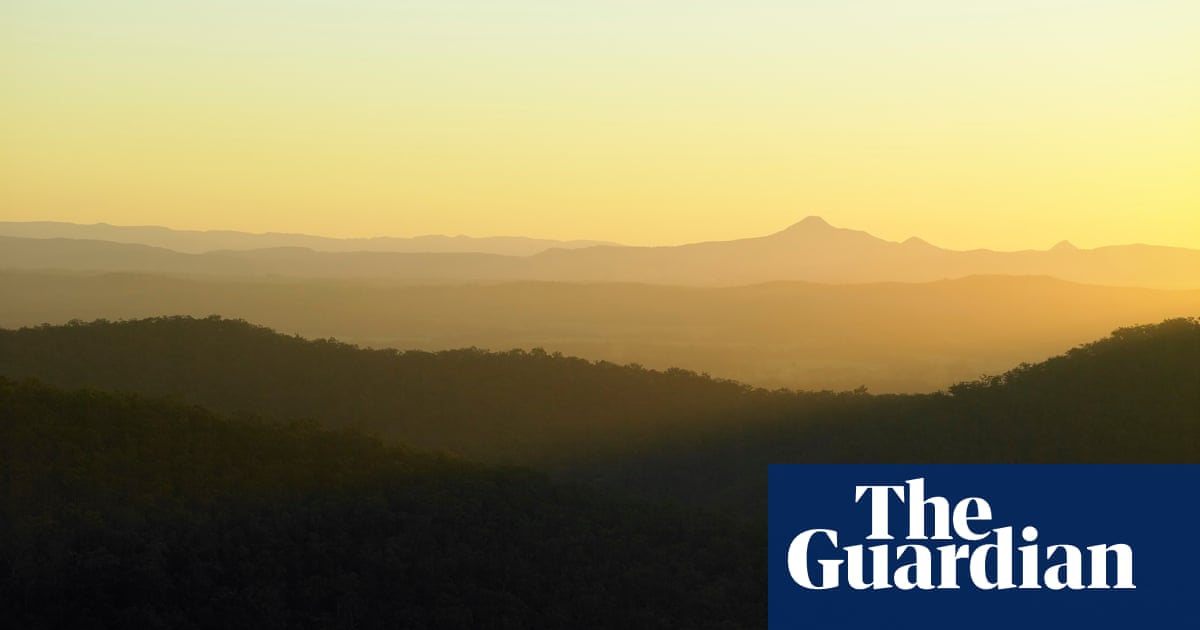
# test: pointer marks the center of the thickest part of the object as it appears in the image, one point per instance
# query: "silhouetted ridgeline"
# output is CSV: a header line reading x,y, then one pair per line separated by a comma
x,y
1133,397
810,251
513,406
198,242
122,511
117,511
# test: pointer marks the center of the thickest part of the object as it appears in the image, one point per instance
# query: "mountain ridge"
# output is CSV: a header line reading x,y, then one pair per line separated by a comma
x,y
811,250
205,241
1131,396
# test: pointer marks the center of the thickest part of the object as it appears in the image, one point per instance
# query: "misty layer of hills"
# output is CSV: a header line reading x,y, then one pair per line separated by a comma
x,y
809,251
199,242
889,337
812,307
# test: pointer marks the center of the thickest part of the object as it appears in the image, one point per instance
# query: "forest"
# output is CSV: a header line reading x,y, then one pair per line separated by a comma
x,y
183,472
123,511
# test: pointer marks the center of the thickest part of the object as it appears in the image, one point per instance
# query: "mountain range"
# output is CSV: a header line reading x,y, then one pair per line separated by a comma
x,y
201,241
809,251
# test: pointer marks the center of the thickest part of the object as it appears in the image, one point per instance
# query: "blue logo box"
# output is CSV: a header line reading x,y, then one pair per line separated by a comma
x,y
983,546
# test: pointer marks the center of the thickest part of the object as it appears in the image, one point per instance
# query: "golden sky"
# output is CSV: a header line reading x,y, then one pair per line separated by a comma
x,y
1006,124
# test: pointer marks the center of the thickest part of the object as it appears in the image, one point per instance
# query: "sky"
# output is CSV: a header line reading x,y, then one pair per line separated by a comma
x,y
1008,124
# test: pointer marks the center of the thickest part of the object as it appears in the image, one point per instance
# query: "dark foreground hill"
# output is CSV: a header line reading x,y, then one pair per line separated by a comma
x,y
1132,397
117,511
513,406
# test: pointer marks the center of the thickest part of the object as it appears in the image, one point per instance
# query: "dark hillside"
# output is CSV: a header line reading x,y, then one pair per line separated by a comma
x,y
1132,397
117,511
513,406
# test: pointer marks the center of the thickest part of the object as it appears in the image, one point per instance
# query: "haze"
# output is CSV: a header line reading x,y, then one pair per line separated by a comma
x,y
813,306
1007,125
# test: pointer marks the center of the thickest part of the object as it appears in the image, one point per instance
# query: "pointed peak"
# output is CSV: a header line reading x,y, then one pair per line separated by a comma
x,y
810,224
915,241
1064,246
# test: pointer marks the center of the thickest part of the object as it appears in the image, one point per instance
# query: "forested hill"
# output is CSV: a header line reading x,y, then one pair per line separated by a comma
x,y
117,511
1132,397
513,406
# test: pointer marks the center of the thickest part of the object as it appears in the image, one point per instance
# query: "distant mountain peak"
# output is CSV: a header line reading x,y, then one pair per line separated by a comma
x,y
809,225
1064,246
813,222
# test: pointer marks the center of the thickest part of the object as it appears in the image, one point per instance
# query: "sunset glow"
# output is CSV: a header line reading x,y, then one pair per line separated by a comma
x,y
971,124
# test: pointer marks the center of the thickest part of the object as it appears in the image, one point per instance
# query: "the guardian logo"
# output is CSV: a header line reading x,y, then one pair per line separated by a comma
x,y
948,545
